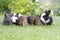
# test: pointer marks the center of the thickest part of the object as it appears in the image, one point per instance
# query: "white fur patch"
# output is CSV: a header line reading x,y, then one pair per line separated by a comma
x,y
20,15
14,18
42,19
47,20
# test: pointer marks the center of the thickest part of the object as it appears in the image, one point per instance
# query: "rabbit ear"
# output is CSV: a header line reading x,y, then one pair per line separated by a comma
x,y
17,13
6,15
46,11
49,10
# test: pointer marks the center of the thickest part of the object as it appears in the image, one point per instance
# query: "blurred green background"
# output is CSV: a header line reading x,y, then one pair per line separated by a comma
x,y
28,7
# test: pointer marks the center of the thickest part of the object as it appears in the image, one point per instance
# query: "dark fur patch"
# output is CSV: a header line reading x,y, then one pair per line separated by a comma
x,y
37,21
31,19
7,20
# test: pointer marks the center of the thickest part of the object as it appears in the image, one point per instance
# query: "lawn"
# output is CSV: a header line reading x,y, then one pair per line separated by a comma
x,y
46,32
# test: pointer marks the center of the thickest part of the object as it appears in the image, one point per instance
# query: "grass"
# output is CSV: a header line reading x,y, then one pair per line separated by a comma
x,y
44,32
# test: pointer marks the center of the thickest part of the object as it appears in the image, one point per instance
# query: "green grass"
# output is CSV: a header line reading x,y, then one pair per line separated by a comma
x,y
44,32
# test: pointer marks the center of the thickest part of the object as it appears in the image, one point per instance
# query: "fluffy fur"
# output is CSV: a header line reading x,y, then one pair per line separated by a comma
x,y
15,17
22,20
31,20
37,21
46,19
7,19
